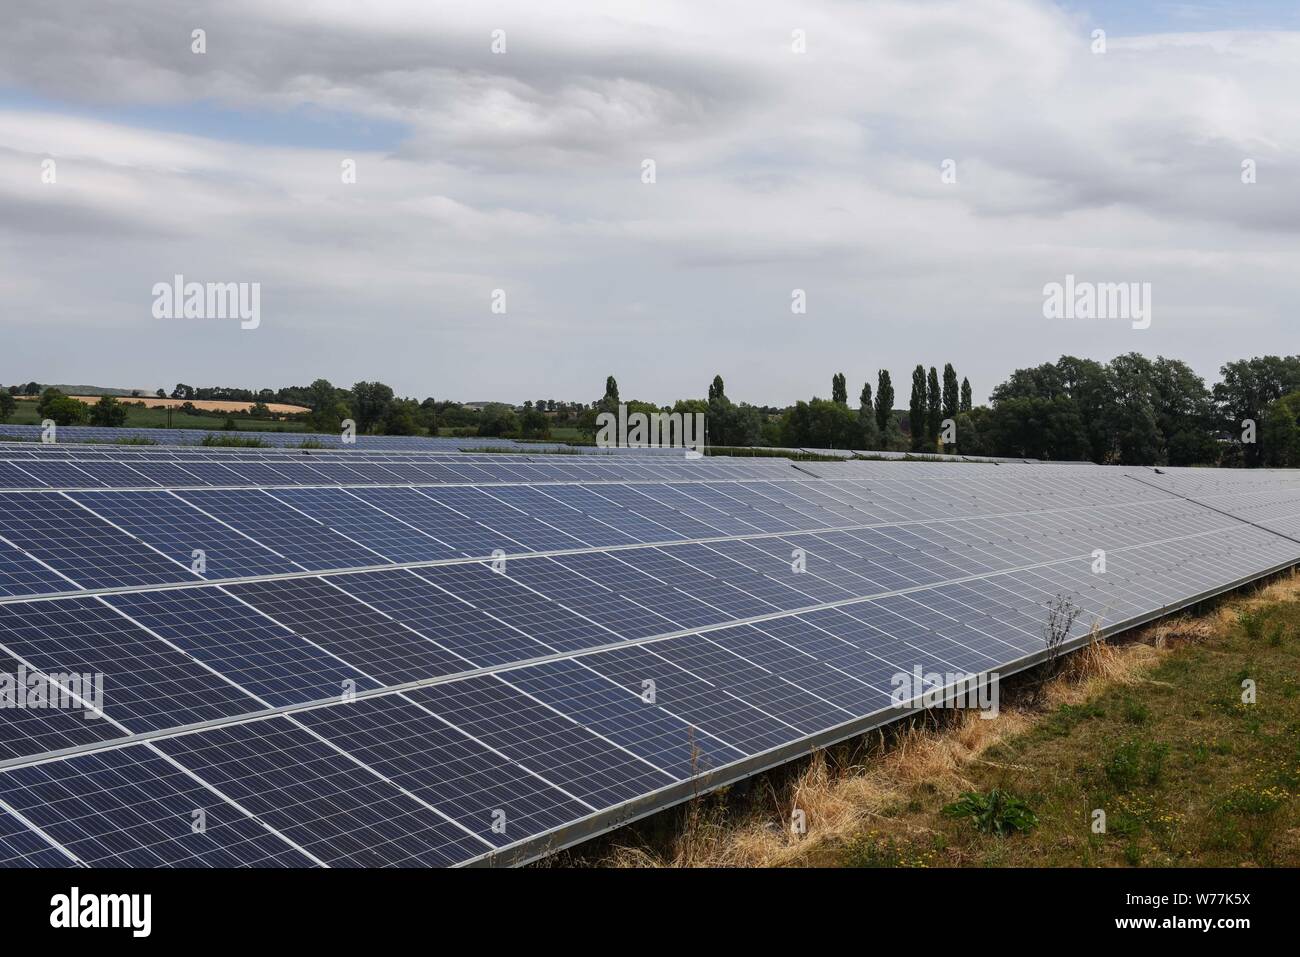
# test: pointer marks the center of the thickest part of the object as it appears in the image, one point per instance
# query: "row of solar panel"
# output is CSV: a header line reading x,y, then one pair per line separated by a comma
x,y
81,474
284,640
53,542
99,434
452,771
1163,564
87,433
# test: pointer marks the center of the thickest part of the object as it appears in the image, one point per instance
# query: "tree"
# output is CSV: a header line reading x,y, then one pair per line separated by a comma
x,y
7,405
950,392
327,408
108,413
884,402
933,408
1280,433
32,388
611,394
916,409
370,403
867,420
965,396
1033,427
716,390
1247,389
534,425
839,389
1185,413
497,420
61,409
399,419
820,424
161,393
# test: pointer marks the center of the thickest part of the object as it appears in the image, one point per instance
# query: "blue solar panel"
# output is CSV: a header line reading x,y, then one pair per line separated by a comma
x,y
300,538
714,656
178,530
147,685
131,808
570,756
323,801
257,653
87,549
20,846
487,794
366,639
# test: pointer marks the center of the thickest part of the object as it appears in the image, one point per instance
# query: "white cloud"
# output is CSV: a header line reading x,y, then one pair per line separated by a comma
x,y
522,171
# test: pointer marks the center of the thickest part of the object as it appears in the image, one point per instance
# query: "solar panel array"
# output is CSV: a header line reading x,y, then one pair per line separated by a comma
x,y
191,437
371,658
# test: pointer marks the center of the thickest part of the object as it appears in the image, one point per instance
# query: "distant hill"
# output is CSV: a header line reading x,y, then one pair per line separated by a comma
x,y
96,390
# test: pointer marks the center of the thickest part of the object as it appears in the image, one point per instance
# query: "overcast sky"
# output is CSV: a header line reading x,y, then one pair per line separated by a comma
x,y
522,171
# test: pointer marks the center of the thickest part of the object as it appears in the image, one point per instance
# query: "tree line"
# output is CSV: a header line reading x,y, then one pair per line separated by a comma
x,y
1131,410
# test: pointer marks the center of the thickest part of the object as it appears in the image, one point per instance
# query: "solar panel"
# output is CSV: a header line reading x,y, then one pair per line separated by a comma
x,y
652,626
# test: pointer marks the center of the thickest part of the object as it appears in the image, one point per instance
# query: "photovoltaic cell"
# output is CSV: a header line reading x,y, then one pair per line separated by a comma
x,y
321,800
131,808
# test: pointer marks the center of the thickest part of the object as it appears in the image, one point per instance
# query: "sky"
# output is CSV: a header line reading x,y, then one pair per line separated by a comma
x,y
518,178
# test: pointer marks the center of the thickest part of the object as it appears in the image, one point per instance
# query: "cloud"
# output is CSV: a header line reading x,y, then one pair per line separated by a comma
x,y
522,171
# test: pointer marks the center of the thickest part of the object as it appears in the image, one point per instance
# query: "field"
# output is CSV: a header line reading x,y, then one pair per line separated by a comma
x,y
207,405
141,417
1152,731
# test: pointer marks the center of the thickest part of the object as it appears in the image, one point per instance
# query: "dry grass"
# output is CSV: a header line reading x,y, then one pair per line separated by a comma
x,y
843,793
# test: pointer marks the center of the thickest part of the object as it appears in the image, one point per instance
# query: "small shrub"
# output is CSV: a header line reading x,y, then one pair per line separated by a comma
x,y
1136,762
998,812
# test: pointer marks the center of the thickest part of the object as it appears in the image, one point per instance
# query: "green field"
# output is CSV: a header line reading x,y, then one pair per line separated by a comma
x,y
140,417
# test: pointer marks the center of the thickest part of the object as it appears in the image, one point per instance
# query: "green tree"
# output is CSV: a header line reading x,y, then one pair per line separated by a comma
x,y
327,407
933,409
7,405
884,402
839,389
61,409
108,413
870,439
534,425
611,394
370,403
497,420
916,409
1247,388
820,424
1185,413
716,388
1279,436
1033,427
965,396
950,392
399,419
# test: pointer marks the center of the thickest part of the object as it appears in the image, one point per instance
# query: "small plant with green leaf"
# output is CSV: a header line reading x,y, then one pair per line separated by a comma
x,y
997,812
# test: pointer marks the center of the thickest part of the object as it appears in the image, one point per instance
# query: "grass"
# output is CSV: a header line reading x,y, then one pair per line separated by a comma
x,y
218,440
1149,736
